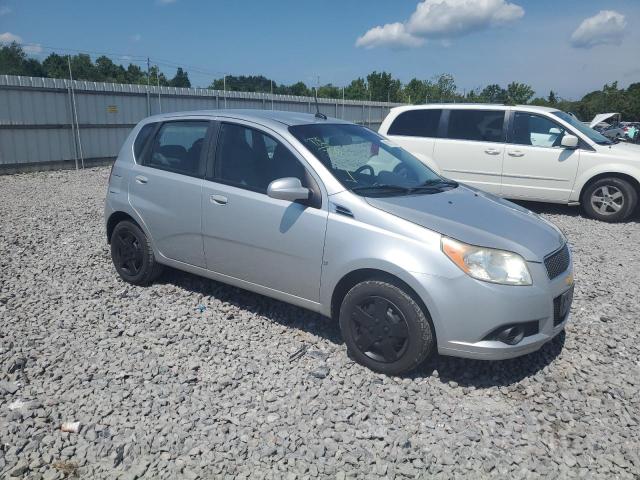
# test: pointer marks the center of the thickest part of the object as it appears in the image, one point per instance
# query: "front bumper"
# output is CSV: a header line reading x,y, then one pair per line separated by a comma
x,y
466,311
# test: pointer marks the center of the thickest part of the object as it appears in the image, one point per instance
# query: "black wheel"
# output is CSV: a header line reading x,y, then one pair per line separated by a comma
x,y
132,254
610,199
384,328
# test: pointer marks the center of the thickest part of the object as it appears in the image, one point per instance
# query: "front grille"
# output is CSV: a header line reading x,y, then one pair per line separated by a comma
x,y
557,262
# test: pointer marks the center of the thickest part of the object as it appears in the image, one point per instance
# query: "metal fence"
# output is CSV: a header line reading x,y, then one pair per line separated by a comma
x,y
54,123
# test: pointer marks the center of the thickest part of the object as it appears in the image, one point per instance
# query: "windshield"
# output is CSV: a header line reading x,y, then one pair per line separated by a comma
x,y
582,128
367,163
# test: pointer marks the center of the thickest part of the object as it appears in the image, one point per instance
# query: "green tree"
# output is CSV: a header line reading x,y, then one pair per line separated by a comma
x,y
519,93
383,87
552,99
493,93
181,79
13,61
415,91
55,66
356,90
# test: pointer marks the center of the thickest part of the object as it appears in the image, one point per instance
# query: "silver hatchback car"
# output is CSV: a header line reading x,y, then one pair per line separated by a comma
x,y
333,217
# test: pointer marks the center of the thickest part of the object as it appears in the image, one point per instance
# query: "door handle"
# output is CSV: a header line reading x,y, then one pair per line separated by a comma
x,y
141,179
218,199
492,151
516,153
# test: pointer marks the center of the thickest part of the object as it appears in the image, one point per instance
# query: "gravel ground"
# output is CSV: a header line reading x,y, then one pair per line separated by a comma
x,y
162,389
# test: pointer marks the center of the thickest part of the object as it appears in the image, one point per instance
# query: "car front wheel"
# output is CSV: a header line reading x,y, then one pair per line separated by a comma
x,y
610,199
384,328
132,254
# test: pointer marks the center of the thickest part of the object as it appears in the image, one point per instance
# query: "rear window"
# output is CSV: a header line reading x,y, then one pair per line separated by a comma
x,y
141,139
478,125
416,123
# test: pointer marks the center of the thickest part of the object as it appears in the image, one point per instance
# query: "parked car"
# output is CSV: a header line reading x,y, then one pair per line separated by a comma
x,y
614,132
332,217
522,152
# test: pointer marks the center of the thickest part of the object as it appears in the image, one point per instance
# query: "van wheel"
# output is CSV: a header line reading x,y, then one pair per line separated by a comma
x,y
384,328
132,254
610,199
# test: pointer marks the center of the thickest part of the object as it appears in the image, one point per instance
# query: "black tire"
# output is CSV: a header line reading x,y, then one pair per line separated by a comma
x,y
610,199
384,344
132,254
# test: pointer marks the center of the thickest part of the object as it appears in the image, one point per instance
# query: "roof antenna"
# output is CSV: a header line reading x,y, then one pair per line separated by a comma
x,y
318,113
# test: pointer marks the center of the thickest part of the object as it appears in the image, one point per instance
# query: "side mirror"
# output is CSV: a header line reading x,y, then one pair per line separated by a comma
x,y
289,188
569,141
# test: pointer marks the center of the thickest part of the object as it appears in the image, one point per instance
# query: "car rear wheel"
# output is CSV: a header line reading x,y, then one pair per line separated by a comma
x,y
384,328
132,254
610,199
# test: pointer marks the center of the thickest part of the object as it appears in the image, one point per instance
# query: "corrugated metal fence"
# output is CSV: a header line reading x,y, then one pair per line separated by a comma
x,y
49,123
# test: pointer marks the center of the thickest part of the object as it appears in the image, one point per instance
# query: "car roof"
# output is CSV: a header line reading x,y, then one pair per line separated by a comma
x,y
264,117
473,106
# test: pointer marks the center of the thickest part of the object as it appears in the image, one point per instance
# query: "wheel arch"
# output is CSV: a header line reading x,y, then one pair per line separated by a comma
x,y
117,217
351,279
623,176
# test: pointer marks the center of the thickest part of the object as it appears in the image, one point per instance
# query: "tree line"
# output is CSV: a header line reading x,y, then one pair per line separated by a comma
x,y
376,86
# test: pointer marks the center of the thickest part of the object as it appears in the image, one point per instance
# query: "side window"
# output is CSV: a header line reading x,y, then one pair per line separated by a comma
x,y
250,159
531,129
177,147
416,123
141,140
478,125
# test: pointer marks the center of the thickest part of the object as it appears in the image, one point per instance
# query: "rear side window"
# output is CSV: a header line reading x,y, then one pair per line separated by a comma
x,y
478,125
141,140
416,123
177,147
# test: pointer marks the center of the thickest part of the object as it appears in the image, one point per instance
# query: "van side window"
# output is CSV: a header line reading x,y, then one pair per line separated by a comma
x,y
177,147
537,131
478,125
141,140
248,158
416,123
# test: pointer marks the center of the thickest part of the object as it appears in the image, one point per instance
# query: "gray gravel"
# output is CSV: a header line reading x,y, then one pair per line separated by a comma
x,y
192,379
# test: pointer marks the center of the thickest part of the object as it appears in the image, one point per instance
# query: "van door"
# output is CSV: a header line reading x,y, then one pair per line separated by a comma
x,y
536,166
471,149
166,187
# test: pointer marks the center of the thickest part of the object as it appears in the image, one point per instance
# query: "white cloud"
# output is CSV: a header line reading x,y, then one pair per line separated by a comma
x,y
605,28
390,35
442,19
30,48
4,10
9,37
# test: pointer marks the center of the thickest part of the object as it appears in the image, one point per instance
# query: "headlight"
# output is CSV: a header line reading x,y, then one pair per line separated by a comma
x,y
487,264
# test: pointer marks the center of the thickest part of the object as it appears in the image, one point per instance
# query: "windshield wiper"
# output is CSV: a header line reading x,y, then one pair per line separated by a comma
x,y
382,186
438,182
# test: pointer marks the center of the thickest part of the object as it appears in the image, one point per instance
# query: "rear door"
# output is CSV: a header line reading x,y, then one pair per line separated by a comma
x,y
471,149
536,166
166,188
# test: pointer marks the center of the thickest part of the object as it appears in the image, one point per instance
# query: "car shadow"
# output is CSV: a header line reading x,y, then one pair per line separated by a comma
x,y
566,210
464,372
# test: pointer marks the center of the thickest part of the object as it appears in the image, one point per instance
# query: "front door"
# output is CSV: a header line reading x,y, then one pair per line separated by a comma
x,y
472,149
166,189
536,166
250,236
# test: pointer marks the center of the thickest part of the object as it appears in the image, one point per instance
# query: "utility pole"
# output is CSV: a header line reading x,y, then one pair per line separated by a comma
x,y
148,84
224,86
271,94
343,103
158,85
75,112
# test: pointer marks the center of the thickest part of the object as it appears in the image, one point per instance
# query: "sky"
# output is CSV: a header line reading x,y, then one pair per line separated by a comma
x,y
570,46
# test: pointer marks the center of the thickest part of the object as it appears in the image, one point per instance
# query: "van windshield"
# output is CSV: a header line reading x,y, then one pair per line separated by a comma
x,y
367,163
582,128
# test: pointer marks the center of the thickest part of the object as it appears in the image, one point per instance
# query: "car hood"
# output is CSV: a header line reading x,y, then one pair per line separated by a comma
x,y
601,117
477,218
624,149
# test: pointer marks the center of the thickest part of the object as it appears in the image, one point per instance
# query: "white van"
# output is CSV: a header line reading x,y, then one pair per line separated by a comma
x,y
522,152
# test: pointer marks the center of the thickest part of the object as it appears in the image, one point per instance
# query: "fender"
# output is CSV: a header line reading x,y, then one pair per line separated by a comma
x,y
608,168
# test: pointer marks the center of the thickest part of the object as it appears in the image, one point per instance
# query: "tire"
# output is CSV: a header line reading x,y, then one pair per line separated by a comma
x,y
384,328
132,254
610,199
